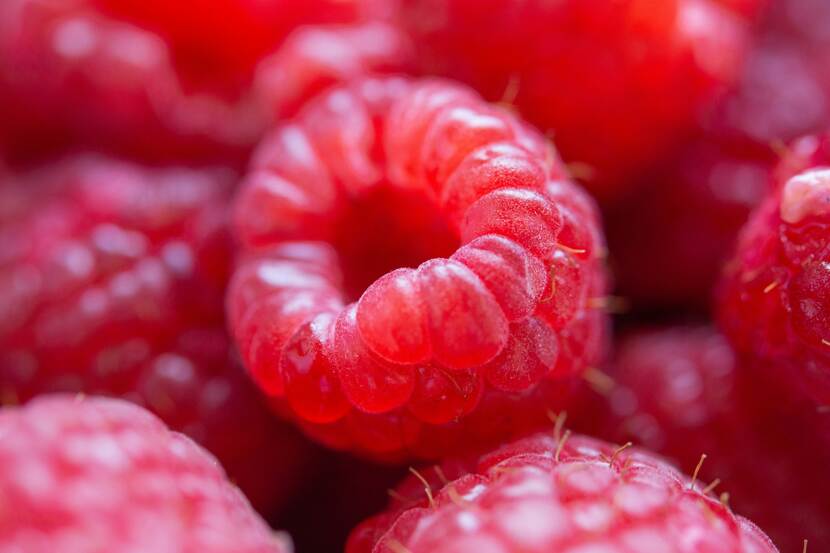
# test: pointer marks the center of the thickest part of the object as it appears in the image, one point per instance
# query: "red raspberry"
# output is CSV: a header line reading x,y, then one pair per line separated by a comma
x,y
691,209
316,57
773,301
113,279
95,475
72,75
219,42
569,494
681,391
455,354
617,82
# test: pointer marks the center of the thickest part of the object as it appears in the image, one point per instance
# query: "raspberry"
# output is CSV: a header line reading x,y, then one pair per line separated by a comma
x,y
617,82
454,355
682,391
315,57
95,475
197,32
113,279
77,73
691,209
773,298
568,494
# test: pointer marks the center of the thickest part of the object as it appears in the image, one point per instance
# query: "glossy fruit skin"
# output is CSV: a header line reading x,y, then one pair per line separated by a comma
x,y
457,353
93,475
617,84
682,391
557,494
694,202
772,300
113,277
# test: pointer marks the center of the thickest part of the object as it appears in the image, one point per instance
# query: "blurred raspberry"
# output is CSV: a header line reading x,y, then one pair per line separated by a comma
x,y
472,346
773,301
93,475
692,206
113,278
617,83
159,80
682,392
219,42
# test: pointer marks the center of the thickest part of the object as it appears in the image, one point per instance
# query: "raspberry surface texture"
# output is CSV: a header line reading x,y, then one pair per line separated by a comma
x,y
617,83
94,475
562,494
473,345
113,277
774,298
682,391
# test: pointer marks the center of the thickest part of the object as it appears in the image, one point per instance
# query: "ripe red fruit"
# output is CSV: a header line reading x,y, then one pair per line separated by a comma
x,y
618,83
773,302
81,73
469,347
565,494
94,475
692,206
219,42
682,392
113,281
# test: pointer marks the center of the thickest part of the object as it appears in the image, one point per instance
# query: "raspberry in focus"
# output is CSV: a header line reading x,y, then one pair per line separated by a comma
x,y
558,493
96,475
419,275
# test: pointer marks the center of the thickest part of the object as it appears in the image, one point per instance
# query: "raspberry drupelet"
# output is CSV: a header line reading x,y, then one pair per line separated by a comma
x,y
469,347
682,391
95,475
113,277
773,301
557,494
617,83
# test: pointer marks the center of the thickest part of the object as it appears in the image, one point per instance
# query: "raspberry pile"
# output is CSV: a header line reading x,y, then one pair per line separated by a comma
x,y
328,240
95,475
558,493
113,276
774,296
151,81
379,176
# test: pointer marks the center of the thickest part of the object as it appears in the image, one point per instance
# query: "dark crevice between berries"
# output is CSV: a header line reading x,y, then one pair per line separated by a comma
x,y
387,229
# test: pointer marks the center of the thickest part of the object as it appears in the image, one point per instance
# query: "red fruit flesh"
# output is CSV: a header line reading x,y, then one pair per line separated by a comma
x,y
388,173
567,494
94,474
113,279
617,83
